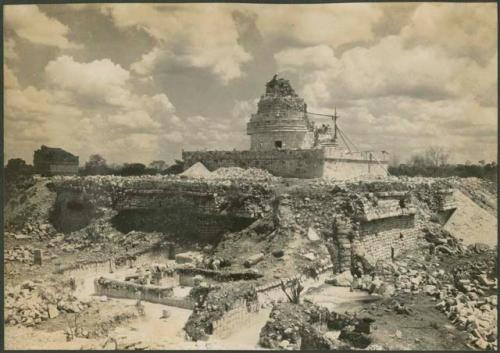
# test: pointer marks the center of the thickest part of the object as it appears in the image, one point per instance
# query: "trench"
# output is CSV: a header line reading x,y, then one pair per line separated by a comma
x,y
184,225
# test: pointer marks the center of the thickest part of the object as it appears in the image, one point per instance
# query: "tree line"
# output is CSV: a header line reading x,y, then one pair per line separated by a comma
x,y
433,162
97,165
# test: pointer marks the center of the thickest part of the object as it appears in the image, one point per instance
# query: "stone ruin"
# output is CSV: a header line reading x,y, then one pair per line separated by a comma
x,y
49,161
285,142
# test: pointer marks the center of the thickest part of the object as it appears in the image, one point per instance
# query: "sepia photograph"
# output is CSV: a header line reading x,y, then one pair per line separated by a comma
x,y
250,176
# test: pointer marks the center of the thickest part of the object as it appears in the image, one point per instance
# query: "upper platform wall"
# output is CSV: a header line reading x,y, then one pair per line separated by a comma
x,y
305,164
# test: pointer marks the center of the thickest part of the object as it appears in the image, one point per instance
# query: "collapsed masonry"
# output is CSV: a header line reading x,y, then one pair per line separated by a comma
x,y
292,226
287,143
379,219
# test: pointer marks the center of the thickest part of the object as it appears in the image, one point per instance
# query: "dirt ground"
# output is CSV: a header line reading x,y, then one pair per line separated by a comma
x,y
424,329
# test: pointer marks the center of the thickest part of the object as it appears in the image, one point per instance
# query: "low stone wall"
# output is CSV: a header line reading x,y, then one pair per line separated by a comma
x,y
244,312
186,275
128,290
241,315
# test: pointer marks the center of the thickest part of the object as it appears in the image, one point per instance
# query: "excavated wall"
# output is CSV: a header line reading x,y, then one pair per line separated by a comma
x,y
374,218
198,209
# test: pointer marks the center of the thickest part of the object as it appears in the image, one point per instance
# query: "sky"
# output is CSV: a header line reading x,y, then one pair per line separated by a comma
x,y
142,82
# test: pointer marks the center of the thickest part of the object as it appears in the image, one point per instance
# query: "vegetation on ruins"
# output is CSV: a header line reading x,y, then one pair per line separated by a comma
x,y
292,290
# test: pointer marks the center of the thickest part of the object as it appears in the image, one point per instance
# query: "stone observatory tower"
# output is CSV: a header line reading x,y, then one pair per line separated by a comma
x,y
285,142
281,120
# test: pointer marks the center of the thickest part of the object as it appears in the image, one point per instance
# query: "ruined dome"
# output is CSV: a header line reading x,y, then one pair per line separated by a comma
x,y
280,98
281,119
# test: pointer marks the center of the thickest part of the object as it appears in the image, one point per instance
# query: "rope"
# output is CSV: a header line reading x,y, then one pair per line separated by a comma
x,y
345,142
384,168
348,139
376,160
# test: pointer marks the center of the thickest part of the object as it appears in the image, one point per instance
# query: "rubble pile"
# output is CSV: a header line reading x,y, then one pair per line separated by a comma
x,y
32,230
31,303
461,279
197,170
22,254
240,173
29,210
309,326
289,322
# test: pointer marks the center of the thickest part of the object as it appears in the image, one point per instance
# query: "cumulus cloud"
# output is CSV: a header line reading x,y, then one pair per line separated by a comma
x,y
463,29
332,24
188,35
99,79
419,71
148,62
408,87
32,24
403,76
30,114
9,46
133,121
10,80
306,59
90,107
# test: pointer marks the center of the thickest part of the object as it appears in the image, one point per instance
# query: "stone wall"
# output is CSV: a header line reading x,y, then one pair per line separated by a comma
x,y
289,140
241,315
207,208
306,163
285,163
351,168
384,238
63,168
149,293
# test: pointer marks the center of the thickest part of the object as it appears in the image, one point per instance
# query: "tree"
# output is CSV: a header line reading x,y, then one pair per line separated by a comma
x,y
133,169
158,165
394,160
176,168
436,156
418,161
96,165
18,167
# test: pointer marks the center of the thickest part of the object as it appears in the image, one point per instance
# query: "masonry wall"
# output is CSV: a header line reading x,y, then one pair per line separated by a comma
x,y
306,163
379,238
243,314
128,290
347,169
285,163
289,140
63,168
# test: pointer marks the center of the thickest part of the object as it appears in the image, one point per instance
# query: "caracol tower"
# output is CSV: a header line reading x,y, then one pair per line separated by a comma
x,y
286,142
281,120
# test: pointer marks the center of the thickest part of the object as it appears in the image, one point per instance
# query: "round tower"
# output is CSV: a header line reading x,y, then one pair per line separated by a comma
x,y
281,121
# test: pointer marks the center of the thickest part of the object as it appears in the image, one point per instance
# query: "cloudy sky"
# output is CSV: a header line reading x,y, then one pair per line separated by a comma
x,y
138,82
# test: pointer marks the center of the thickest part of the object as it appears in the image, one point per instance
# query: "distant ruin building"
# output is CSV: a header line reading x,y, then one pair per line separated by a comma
x,y
285,141
49,161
